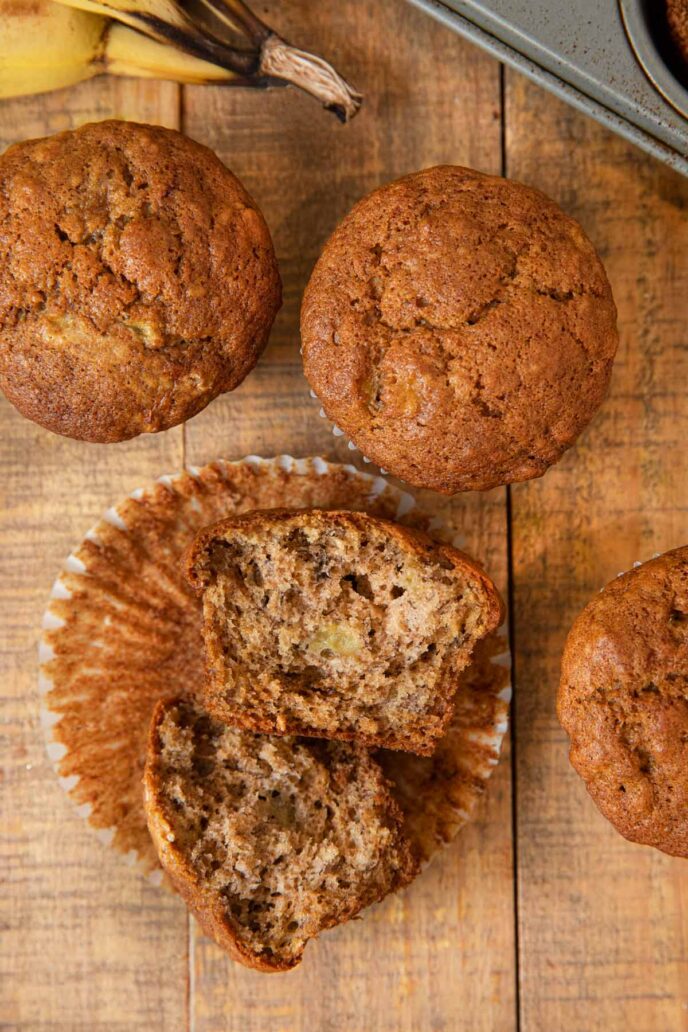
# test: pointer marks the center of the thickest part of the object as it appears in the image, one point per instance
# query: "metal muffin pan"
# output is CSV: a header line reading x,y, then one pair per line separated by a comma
x,y
647,34
582,51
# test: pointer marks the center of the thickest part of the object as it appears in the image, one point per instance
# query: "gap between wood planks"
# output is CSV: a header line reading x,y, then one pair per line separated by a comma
x,y
512,638
190,930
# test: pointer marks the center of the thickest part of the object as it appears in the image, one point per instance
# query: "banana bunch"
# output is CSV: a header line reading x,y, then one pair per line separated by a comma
x,y
48,44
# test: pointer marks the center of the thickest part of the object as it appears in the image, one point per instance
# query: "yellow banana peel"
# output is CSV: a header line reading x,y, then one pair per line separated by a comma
x,y
49,44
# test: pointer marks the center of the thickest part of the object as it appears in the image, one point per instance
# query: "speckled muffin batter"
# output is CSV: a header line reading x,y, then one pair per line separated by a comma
x,y
623,700
337,625
137,280
460,329
269,840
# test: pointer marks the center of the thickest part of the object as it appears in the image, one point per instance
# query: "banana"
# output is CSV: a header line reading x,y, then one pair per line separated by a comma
x,y
164,21
45,46
129,53
210,31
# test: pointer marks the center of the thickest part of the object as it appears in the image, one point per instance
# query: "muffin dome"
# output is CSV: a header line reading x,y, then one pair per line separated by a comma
x,y
623,700
460,329
137,280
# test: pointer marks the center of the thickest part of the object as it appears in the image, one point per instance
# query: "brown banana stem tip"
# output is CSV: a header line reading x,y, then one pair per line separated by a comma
x,y
311,73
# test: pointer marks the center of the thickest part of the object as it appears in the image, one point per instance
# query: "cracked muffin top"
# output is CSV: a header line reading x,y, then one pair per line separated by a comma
x,y
623,700
137,280
460,329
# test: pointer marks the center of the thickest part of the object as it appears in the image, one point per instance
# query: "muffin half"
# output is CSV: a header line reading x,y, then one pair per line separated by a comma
x,y
269,841
337,625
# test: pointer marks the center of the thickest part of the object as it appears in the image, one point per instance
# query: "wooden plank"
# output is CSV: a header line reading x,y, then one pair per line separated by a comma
x,y
87,943
603,922
440,956
429,99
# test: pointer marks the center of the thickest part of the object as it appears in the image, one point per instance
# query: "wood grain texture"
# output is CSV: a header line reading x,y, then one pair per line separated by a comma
x,y
440,955
86,942
429,98
603,922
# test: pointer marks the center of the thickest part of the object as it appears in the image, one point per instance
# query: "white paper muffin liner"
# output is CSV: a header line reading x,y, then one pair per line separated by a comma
x,y
122,629
636,564
337,432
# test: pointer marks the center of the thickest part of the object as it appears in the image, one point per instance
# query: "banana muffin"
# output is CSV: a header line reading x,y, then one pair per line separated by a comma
x,y
460,329
337,625
269,840
623,700
137,280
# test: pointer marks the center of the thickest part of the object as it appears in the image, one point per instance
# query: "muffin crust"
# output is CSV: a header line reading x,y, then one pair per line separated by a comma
x,y
460,329
137,280
623,700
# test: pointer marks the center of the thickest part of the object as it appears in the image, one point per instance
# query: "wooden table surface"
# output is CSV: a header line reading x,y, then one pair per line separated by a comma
x,y
540,916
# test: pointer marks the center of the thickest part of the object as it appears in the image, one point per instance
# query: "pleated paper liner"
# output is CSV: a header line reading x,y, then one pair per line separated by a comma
x,y
122,630
336,431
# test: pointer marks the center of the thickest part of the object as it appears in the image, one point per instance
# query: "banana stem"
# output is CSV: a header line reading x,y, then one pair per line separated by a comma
x,y
256,29
280,60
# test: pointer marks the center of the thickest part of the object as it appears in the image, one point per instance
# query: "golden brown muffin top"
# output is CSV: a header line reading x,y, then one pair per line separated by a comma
x,y
623,700
137,280
460,329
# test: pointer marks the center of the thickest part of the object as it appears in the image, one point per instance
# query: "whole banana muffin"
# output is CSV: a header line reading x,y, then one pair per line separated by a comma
x,y
623,700
137,280
460,329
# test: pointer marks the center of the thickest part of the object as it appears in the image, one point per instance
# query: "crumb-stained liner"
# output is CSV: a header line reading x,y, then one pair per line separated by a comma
x,y
122,629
